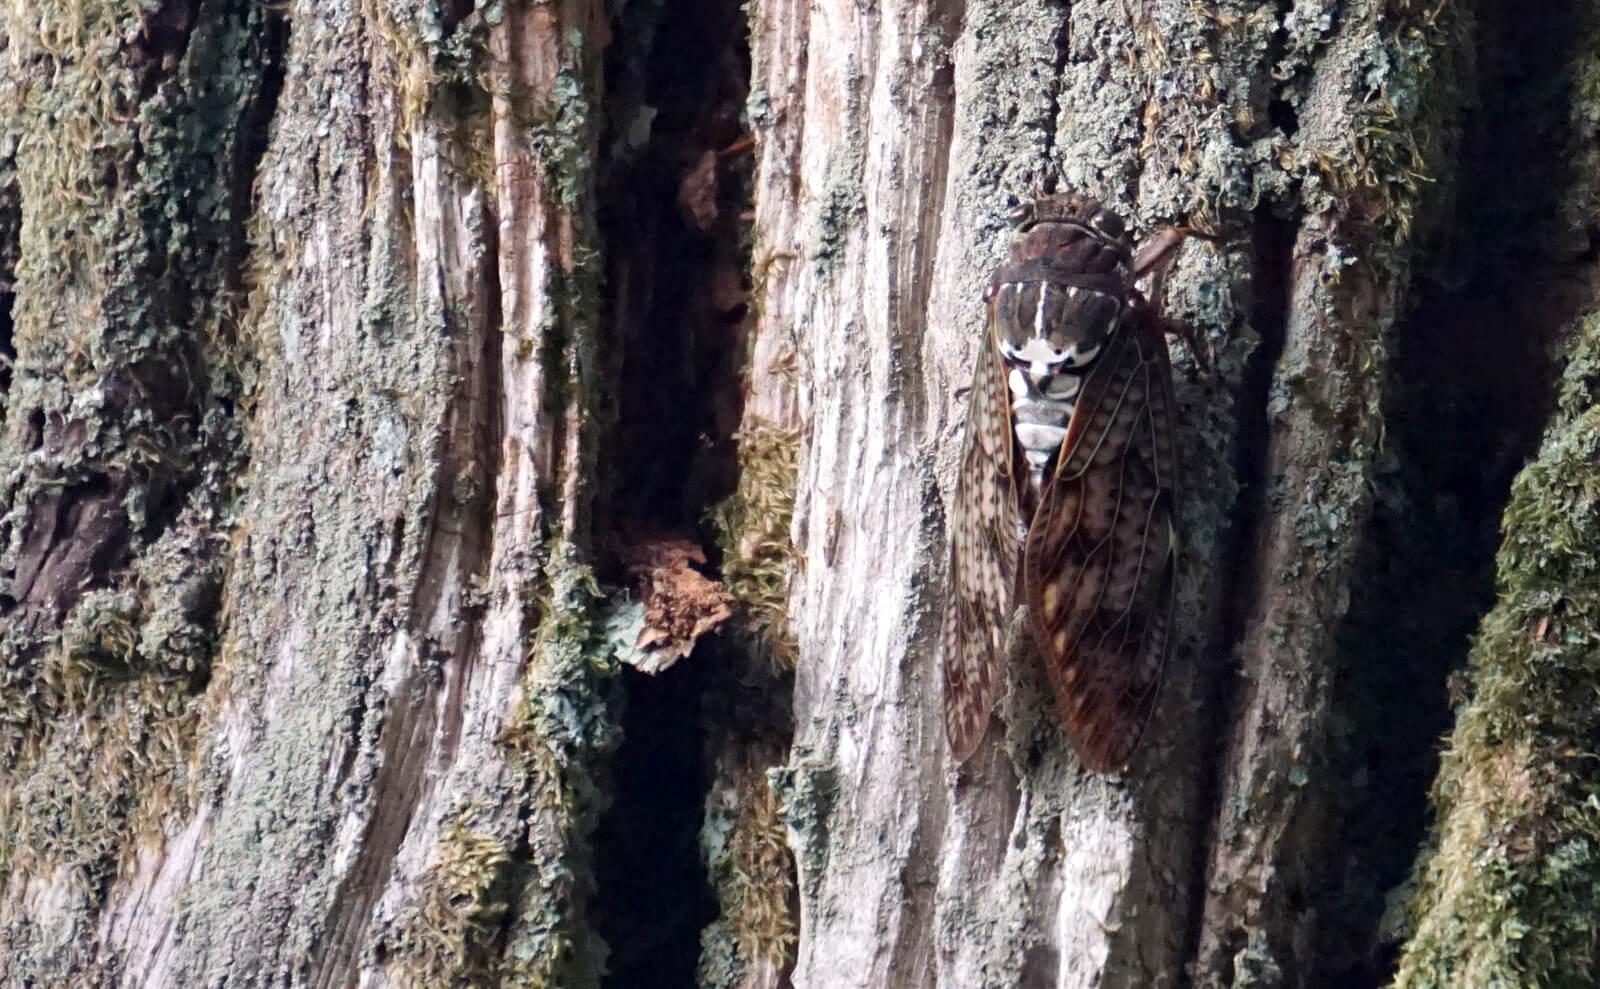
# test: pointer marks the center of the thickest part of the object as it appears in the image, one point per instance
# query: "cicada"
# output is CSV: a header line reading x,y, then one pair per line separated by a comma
x,y
1066,498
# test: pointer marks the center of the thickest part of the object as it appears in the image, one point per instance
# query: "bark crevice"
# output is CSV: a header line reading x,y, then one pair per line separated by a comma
x,y
1272,244
673,206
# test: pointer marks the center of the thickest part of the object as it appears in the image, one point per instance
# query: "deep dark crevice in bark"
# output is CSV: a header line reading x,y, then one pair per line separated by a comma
x,y
163,37
1063,44
1272,242
186,385
223,387
1282,115
673,199
671,212
654,897
1471,393
8,348
1269,106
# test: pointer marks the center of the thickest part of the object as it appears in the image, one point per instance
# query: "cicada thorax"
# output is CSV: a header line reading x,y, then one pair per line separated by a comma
x,y
1053,307
1067,485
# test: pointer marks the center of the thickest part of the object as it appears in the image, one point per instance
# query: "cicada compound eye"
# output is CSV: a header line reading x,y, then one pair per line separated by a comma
x,y
1107,224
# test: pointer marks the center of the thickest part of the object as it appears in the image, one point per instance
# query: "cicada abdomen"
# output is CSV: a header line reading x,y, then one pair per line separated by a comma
x,y
1066,495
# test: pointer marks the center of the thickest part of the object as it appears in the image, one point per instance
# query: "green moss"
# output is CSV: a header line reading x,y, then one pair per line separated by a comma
x,y
1407,124
126,149
1510,893
114,761
747,853
753,531
421,56
450,937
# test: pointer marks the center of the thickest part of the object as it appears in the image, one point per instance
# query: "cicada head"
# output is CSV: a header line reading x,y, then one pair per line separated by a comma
x,y
1065,287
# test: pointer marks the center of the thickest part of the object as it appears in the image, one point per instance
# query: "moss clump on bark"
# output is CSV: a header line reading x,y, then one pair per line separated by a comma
x,y
425,47
753,532
747,852
1408,125
1509,895
121,683
450,938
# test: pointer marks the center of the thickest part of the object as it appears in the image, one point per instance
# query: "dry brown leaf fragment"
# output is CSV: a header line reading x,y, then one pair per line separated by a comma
x,y
681,604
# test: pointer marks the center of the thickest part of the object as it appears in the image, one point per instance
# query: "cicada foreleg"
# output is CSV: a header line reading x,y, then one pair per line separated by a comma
x,y
1161,251
1154,260
1199,345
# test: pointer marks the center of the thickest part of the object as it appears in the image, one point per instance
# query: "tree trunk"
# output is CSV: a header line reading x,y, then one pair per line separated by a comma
x,y
478,481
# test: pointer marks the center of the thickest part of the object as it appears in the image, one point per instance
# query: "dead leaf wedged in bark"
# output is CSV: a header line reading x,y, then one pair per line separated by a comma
x,y
680,603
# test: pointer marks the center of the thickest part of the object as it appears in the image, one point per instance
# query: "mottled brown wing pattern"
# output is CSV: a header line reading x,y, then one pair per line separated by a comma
x,y
1097,564
983,558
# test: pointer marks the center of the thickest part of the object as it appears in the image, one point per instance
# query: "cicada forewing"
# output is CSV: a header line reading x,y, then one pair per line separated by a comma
x,y
1099,557
983,557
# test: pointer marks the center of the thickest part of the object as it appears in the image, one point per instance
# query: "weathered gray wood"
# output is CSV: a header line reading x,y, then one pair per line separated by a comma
x,y
1031,871
404,694
307,677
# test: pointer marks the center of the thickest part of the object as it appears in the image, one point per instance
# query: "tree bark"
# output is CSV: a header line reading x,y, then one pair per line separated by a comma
x,y
352,247
1022,869
478,477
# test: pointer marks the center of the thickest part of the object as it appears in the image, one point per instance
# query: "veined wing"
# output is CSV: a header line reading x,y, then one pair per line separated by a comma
x,y
1098,561
983,558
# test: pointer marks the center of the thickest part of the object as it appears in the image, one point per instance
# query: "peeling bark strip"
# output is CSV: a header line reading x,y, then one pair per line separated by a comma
x,y
679,603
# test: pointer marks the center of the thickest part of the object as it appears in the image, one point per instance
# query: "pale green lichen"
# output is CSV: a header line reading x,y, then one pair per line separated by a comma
x,y
505,899
842,208
558,742
807,789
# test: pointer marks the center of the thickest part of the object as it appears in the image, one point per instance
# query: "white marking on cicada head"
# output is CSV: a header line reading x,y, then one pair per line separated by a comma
x,y
1084,356
1036,351
1043,360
